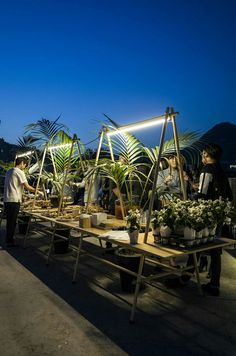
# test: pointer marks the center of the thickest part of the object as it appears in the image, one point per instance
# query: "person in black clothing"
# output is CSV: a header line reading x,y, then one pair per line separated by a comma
x,y
213,184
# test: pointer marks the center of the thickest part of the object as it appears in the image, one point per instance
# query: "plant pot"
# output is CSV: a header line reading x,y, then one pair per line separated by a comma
x,y
199,234
61,245
205,232
133,236
129,260
23,221
165,231
189,233
179,230
156,234
212,230
55,200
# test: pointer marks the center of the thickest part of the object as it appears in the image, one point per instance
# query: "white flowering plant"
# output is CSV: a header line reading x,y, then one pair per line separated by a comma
x,y
221,209
155,219
195,214
167,216
133,220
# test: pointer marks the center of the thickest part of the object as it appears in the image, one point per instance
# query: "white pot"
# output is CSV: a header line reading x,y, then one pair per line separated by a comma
x,y
179,230
133,236
156,234
205,232
212,231
165,231
199,234
189,233
156,231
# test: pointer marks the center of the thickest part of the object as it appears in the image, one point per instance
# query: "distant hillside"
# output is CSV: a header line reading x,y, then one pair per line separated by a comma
x,y
7,151
224,134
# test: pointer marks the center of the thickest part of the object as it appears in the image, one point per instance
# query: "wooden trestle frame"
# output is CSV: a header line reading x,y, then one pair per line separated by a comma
x,y
169,116
104,131
74,141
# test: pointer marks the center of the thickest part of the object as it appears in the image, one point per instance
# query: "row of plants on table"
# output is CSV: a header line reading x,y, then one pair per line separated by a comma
x,y
191,222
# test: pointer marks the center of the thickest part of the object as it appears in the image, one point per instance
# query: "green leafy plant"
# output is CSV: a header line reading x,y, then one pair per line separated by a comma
x,y
133,220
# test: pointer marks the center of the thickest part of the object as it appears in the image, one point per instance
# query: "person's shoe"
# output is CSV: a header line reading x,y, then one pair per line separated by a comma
x,y
211,290
175,282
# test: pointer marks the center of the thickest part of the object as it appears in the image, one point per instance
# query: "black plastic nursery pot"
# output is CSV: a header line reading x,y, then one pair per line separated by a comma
x,y
23,221
61,245
129,260
55,200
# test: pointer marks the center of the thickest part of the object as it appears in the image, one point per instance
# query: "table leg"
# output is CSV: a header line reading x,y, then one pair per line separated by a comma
x,y
2,213
77,258
137,286
27,232
197,273
51,243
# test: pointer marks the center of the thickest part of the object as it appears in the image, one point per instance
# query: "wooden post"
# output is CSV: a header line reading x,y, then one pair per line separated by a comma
x,y
180,164
155,177
93,175
40,174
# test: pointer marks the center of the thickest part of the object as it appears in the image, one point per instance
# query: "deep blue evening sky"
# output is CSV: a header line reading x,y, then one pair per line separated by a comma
x,y
129,59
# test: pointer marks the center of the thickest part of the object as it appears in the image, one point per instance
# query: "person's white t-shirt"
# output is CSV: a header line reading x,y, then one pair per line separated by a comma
x,y
13,186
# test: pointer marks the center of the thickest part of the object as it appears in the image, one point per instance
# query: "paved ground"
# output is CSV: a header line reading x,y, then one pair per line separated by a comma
x,y
43,313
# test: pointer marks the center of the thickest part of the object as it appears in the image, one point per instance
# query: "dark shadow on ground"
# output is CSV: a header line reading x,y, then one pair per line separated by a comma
x,y
97,297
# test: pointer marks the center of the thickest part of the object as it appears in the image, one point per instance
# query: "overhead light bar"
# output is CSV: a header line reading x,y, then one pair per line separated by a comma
x,y
25,154
60,146
141,124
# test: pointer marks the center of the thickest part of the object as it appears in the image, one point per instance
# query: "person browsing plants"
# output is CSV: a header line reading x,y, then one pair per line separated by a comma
x,y
15,183
168,181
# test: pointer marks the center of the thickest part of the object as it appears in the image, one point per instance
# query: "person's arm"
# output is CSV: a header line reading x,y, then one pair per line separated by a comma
x,y
31,189
162,182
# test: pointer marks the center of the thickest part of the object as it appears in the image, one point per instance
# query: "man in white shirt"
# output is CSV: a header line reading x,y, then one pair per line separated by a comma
x,y
15,182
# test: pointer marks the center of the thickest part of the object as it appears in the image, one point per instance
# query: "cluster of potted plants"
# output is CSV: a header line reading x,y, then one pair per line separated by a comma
x,y
193,221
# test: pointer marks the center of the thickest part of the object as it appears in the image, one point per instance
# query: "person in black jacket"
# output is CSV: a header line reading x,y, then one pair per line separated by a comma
x,y
213,184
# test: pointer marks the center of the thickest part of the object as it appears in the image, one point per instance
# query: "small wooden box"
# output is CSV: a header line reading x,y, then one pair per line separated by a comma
x,y
85,220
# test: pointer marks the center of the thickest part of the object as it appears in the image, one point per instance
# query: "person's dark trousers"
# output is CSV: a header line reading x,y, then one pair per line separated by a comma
x,y
215,266
12,211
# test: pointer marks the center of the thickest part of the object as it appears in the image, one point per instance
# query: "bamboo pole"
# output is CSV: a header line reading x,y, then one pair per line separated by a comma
x,y
155,177
40,175
180,164
93,175
80,157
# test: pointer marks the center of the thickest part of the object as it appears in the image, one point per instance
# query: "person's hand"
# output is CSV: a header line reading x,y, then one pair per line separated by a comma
x,y
40,194
168,178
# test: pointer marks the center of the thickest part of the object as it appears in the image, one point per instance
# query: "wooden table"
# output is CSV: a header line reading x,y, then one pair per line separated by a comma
x,y
150,250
